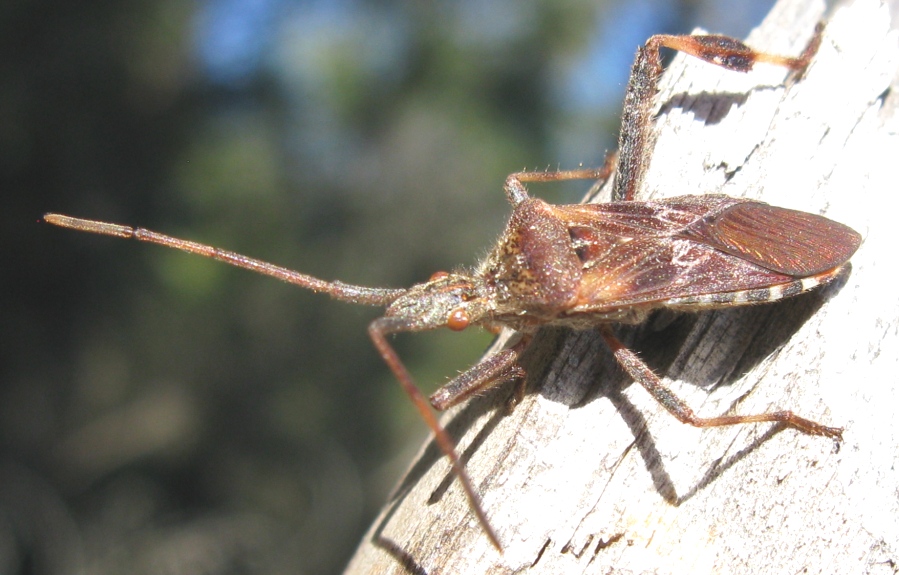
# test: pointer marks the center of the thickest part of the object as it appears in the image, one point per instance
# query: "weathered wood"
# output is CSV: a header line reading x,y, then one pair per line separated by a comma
x,y
589,474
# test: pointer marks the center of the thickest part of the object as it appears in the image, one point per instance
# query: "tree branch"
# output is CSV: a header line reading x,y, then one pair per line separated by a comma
x,y
589,474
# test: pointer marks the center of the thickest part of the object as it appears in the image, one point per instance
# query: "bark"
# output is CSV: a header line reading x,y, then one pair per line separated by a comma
x,y
590,475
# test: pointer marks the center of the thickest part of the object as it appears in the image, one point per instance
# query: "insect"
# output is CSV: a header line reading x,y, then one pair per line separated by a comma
x,y
594,265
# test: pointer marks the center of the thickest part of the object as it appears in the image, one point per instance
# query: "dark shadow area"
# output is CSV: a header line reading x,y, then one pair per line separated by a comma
x,y
743,337
707,108
535,361
645,445
402,557
760,331
544,345
721,466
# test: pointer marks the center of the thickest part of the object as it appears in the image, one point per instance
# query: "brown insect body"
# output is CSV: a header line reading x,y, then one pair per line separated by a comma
x,y
583,264
589,265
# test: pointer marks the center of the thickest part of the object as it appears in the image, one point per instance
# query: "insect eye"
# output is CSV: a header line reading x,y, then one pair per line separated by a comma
x,y
438,276
458,320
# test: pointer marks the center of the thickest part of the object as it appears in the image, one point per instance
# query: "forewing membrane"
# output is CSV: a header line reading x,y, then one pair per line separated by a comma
x,y
636,253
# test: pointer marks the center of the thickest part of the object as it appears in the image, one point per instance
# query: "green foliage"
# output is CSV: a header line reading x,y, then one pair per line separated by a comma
x,y
148,397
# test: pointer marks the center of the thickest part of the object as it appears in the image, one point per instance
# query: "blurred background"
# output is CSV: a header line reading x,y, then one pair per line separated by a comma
x,y
160,413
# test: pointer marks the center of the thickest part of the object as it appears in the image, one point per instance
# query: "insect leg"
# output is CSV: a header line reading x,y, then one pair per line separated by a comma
x,y
649,380
517,193
493,370
636,118
378,330
337,290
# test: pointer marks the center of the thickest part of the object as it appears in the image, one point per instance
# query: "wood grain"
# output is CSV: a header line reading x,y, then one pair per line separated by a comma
x,y
590,475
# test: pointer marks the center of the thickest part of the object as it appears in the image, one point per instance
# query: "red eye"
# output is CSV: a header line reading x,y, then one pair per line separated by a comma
x,y
438,276
458,320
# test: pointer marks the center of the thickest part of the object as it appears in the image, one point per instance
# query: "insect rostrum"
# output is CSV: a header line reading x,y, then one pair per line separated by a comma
x,y
590,265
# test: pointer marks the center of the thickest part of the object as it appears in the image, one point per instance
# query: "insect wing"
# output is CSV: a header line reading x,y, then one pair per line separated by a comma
x,y
653,270
795,243
636,253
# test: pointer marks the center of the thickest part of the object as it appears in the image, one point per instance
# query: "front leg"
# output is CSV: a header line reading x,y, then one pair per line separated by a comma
x,y
493,370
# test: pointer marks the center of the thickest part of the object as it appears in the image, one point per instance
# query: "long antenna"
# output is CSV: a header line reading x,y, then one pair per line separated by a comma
x,y
337,290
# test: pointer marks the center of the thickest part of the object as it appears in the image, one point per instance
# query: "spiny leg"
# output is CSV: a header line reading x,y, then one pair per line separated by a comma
x,y
636,118
337,290
493,370
641,373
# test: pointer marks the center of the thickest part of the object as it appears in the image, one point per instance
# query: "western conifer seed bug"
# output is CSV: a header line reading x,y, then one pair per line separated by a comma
x,y
594,265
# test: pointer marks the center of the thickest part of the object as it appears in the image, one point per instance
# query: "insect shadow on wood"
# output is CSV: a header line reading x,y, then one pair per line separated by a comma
x,y
710,109
585,266
734,342
536,361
